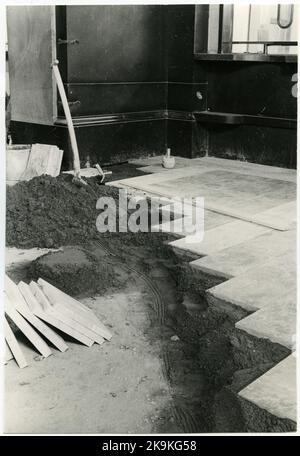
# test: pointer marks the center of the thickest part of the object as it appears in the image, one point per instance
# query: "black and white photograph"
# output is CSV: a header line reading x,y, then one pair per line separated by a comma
x,y
150,217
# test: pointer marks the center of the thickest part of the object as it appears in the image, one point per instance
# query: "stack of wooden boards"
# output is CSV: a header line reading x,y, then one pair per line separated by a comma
x,y
35,306
28,161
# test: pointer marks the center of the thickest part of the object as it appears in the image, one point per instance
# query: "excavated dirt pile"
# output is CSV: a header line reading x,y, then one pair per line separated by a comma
x,y
51,212
76,271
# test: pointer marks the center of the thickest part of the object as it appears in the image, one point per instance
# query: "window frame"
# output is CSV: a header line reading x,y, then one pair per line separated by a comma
x,y
219,40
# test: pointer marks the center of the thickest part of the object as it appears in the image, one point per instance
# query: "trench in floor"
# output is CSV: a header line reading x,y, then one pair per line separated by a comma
x,y
177,367
174,364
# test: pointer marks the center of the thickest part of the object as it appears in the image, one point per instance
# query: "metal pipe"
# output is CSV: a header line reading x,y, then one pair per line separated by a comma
x,y
289,23
249,26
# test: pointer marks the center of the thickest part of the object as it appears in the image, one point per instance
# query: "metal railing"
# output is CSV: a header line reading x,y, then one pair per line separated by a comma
x,y
265,44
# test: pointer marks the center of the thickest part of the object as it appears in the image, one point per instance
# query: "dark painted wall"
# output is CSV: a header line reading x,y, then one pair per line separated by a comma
x,y
257,89
251,88
119,63
184,136
118,66
114,74
104,144
124,43
234,87
137,59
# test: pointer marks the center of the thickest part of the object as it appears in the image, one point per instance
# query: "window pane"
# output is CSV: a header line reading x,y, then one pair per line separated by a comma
x,y
259,23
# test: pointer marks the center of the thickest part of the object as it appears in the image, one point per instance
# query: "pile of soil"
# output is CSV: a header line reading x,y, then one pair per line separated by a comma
x,y
76,271
51,212
48,212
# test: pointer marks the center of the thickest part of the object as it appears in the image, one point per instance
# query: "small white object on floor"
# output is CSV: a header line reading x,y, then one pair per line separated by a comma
x,y
168,161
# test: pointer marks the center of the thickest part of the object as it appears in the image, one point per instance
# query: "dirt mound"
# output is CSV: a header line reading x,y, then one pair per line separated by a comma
x,y
50,212
75,271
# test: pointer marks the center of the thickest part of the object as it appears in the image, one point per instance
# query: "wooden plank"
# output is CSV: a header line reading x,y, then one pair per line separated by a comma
x,y
71,302
40,297
43,159
13,292
74,309
8,353
47,332
77,322
58,311
54,164
47,317
14,346
58,300
26,329
70,318
55,319
37,162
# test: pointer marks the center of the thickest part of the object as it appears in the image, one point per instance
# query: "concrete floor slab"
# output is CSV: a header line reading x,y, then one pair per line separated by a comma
x,y
281,217
273,172
232,192
239,258
260,286
146,161
275,322
276,390
288,175
220,238
211,220
180,162
149,180
157,161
